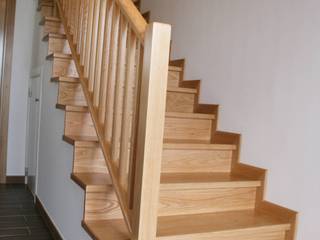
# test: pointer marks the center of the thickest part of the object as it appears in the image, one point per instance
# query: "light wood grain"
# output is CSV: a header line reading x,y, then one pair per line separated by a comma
x,y
180,102
244,225
71,94
178,126
89,159
197,160
101,203
79,124
151,126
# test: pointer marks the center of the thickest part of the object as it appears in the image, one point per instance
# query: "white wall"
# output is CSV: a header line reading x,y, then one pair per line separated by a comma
x,y
21,64
261,61
60,196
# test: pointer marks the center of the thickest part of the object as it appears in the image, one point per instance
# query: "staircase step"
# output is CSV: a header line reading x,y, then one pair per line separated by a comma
x,y
47,36
91,179
239,225
193,158
185,126
101,202
182,90
49,18
107,229
194,193
57,43
65,79
180,99
70,108
51,25
71,94
81,140
205,180
89,160
199,145
79,124
190,115
175,76
63,65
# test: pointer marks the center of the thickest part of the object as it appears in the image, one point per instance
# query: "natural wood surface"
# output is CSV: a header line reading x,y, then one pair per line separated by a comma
x,y
216,226
107,229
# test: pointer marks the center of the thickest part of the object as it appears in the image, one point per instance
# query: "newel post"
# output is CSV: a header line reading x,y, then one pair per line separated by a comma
x,y
151,131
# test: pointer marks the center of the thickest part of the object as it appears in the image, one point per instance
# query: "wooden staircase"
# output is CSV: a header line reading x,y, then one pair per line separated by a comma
x,y
205,192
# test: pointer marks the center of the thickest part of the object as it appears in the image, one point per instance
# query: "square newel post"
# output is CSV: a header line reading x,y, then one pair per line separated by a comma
x,y
150,131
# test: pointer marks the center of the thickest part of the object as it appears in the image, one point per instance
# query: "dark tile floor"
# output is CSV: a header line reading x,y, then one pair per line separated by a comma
x,y
18,217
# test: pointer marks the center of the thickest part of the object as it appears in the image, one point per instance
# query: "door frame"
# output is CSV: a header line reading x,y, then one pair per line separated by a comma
x,y
35,73
9,8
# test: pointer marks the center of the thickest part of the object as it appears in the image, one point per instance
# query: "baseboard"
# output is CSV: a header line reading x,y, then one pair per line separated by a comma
x,y
15,179
52,228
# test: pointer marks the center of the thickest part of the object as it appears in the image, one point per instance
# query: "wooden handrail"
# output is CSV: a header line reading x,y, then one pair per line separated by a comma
x,y
136,20
122,64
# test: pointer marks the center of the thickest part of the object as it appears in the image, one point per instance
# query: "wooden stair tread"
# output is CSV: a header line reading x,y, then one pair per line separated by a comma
x,y
54,35
199,145
70,108
65,79
190,115
205,180
73,139
176,69
91,179
107,229
217,222
182,90
49,18
59,55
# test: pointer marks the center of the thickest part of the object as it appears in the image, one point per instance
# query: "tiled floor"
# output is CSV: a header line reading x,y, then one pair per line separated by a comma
x,y
18,216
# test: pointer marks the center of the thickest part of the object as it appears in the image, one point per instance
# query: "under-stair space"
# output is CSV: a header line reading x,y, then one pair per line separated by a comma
x,y
205,192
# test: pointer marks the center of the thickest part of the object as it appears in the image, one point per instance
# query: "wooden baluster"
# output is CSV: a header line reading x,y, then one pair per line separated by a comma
x,y
112,73
84,31
97,75
76,22
69,13
150,132
80,25
94,45
105,62
119,90
135,122
87,47
128,108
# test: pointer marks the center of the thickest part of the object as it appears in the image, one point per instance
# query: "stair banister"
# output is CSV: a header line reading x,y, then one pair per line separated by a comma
x,y
122,64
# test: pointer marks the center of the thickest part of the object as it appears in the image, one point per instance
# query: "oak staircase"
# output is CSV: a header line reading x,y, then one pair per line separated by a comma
x,y
148,173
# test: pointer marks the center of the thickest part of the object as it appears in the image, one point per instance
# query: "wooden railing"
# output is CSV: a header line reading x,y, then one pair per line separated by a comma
x,y
123,67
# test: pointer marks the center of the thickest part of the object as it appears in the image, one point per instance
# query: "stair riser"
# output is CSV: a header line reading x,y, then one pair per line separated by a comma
x,y
188,160
71,94
242,234
52,27
176,202
180,102
101,203
79,124
186,128
174,78
64,68
58,45
46,11
89,160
